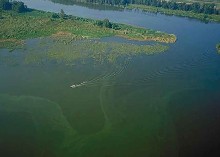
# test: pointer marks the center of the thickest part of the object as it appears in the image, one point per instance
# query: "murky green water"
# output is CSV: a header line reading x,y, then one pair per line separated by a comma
x,y
165,104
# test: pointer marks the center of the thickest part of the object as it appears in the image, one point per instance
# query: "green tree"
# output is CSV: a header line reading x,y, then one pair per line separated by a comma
x,y
99,23
62,14
5,5
1,14
106,23
18,7
54,15
116,26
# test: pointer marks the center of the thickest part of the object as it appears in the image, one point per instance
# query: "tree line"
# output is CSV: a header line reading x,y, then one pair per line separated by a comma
x,y
13,5
207,8
101,23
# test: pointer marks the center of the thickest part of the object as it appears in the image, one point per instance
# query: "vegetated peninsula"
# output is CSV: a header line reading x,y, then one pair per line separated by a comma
x,y
19,23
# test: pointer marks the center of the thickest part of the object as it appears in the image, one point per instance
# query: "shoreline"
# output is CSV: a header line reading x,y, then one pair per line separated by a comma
x,y
180,13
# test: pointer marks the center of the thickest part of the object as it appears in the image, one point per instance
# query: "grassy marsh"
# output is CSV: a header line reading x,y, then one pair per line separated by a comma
x,y
89,49
36,24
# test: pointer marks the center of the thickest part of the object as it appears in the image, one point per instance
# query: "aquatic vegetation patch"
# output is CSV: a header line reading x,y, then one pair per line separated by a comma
x,y
11,44
49,131
34,122
90,49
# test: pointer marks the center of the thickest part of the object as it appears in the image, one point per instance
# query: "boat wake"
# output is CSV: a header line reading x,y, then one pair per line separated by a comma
x,y
148,79
78,85
107,77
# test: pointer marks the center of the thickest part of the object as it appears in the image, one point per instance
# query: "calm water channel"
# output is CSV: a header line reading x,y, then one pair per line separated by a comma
x,y
163,105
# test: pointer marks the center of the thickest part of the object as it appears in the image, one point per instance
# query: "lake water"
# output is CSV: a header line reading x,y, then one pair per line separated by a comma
x,y
163,105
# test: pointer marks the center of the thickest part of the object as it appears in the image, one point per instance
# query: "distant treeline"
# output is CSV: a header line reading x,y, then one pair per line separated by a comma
x,y
13,5
207,8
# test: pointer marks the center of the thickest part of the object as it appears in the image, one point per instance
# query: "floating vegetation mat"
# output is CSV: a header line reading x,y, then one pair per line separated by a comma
x,y
88,49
